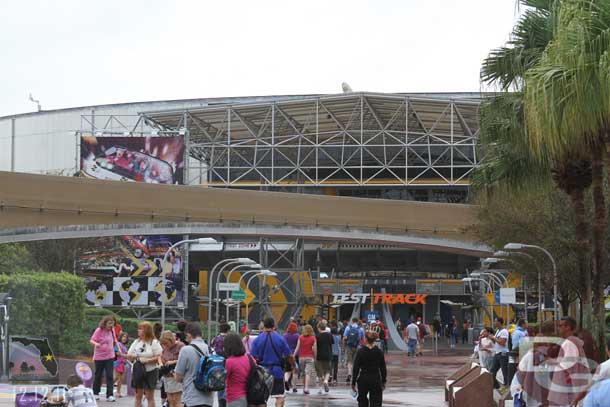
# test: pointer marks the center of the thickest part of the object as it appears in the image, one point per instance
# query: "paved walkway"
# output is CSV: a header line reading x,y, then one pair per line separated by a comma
x,y
411,382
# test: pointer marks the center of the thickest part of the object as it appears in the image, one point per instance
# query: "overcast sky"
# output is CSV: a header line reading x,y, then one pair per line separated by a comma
x,y
72,52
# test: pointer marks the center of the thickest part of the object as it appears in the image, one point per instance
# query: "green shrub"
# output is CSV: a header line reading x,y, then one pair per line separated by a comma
x,y
47,304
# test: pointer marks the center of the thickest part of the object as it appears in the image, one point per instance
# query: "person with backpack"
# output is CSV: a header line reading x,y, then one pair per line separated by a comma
x,y
219,340
292,338
306,352
271,350
352,336
238,371
188,366
369,374
336,352
218,349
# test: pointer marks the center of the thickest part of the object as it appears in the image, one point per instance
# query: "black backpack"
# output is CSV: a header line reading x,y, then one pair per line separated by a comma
x,y
260,383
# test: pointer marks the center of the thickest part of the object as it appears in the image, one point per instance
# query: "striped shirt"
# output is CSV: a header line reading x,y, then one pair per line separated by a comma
x,y
81,396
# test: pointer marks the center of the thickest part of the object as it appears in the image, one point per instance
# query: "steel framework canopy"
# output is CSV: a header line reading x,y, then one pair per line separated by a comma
x,y
339,140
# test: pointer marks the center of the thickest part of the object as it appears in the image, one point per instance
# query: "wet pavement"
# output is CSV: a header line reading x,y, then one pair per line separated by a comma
x,y
411,382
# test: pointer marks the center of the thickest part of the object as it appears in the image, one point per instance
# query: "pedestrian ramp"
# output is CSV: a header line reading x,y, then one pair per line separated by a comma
x,y
395,341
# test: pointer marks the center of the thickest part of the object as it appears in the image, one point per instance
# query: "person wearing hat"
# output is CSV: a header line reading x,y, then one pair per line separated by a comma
x,y
369,372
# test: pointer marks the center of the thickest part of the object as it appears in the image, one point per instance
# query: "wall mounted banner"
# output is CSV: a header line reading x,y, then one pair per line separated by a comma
x,y
354,298
126,271
155,160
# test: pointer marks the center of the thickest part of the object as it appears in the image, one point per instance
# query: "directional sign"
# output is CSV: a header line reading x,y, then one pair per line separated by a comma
x,y
228,286
250,296
508,295
238,295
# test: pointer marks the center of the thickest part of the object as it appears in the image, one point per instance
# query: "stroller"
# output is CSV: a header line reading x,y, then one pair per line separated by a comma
x,y
55,397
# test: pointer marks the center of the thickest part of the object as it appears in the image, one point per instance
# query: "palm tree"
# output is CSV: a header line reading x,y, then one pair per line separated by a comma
x,y
509,160
567,109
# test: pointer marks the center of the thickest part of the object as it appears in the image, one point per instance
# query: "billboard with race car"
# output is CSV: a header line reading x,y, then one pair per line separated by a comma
x,y
156,160
127,271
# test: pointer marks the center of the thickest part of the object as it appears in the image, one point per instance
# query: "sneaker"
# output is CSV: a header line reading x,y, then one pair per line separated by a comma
x,y
306,392
326,389
110,399
97,396
294,390
320,392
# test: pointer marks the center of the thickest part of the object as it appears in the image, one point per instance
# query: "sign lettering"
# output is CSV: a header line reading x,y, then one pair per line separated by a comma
x,y
354,298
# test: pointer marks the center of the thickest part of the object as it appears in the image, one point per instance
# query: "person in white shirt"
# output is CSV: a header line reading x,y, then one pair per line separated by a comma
x,y
500,359
486,347
570,370
146,351
79,395
412,338
601,373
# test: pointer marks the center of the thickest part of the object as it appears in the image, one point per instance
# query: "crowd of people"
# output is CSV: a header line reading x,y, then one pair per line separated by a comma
x,y
556,364
308,353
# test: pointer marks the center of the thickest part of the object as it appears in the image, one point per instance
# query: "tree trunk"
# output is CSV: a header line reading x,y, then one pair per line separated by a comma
x,y
578,202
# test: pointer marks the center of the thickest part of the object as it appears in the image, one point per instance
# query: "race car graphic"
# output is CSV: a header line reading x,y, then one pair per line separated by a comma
x,y
121,164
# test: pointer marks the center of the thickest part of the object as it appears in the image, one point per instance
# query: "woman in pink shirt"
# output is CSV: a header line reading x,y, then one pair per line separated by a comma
x,y
104,341
238,370
306,351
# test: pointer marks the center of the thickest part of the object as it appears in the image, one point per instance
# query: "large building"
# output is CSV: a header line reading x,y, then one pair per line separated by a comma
x,y
392,146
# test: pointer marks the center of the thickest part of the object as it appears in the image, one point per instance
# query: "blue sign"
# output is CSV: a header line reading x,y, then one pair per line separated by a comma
x,y
497,297
371,316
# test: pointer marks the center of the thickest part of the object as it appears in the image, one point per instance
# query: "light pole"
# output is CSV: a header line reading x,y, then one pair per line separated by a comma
x,y
257,273
203,240
521,246
498,278
255,266
224,263
5,300
261,273
494,276
471,279
502,253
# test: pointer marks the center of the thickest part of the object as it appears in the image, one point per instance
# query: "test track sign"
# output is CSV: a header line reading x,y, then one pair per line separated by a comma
x,y
354,298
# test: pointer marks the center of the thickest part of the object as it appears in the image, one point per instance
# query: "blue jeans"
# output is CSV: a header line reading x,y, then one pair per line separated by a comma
x,y
412,345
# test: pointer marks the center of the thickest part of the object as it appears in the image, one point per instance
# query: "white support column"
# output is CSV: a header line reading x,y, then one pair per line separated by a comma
x,y
317,138
452,145
361,138
229,146
13,144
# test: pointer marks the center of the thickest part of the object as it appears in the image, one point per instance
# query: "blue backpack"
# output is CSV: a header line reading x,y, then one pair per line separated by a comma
x,y
353,337
211,373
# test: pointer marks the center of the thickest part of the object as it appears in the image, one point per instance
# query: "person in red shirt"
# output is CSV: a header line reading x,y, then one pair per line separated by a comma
x,y
238,370
306,351
117,327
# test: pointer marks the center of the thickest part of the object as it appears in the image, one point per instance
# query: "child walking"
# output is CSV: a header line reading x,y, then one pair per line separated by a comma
x,y
119,364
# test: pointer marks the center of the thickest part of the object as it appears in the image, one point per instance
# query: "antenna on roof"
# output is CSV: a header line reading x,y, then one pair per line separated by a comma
x,y
35,101
346,88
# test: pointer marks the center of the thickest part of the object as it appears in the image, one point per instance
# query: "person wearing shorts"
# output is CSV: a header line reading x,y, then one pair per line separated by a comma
x,y
324,354
306,351
352,337
270,350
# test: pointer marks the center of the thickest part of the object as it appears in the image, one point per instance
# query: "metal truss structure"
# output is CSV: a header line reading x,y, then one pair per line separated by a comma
x,y
357,139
